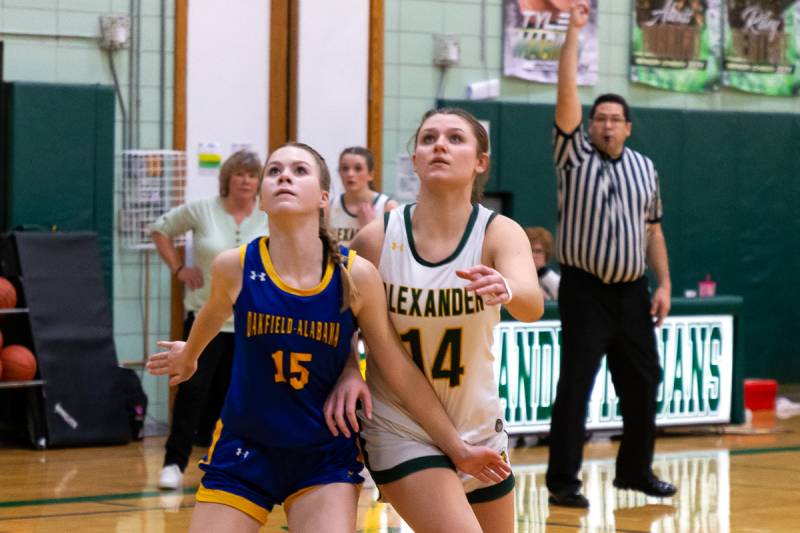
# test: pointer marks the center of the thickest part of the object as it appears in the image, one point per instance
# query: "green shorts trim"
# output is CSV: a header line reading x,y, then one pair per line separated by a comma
x,y
409,467
493,492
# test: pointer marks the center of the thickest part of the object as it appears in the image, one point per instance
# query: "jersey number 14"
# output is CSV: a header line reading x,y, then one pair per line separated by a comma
x,y
450,345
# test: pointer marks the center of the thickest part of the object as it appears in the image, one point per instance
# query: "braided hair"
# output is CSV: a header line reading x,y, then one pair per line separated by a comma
x,y
349,290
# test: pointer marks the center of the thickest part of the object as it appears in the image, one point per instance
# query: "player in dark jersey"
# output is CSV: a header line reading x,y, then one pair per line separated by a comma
x,y
296,297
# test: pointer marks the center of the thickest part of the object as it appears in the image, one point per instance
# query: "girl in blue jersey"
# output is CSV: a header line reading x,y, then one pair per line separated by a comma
x,y
296,297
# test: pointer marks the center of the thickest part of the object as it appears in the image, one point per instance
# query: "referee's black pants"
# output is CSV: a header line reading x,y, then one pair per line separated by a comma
x,y
199,400
597,319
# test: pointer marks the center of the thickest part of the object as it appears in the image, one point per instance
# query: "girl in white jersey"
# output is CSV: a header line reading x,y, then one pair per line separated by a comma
x,y
447,264
359,204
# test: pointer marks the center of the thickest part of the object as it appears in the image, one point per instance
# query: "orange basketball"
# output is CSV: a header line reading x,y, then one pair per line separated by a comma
x,y
8,294
18,363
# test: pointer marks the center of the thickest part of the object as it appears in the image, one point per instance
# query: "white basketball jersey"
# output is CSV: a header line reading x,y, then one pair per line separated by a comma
x,y
445,328
344,224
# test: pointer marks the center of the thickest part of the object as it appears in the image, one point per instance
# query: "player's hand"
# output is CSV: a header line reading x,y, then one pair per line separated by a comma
x,y
482,463
579,13
487,283
366,213
173,362
340,406
192,277
659,308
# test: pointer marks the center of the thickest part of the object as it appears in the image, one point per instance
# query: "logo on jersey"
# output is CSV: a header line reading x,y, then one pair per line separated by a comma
x,y
240,452
398,246
260,276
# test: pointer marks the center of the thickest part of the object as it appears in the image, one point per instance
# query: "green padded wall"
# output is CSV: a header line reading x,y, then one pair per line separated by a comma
x,y
731,188
60,161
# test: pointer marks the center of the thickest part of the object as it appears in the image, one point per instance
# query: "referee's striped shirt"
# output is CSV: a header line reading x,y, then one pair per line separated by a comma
x,y
604,206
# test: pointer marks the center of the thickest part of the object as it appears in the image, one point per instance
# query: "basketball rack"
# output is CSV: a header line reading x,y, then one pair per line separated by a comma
x,y
21,384
14,311
33,410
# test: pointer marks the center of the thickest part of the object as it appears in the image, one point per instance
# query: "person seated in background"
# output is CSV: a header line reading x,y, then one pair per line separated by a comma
x,y
542,250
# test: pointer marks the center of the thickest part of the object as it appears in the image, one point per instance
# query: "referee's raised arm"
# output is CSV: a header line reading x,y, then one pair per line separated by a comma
x,y
568,105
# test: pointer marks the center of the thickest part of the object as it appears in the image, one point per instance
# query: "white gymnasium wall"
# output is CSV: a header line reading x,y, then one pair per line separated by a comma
x,y
227,88
332,77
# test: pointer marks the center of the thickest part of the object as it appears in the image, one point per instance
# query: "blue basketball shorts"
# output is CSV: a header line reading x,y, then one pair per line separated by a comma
x,y
253,478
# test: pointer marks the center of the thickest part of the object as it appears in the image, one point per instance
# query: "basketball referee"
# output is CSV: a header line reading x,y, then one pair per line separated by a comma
x,y
608,231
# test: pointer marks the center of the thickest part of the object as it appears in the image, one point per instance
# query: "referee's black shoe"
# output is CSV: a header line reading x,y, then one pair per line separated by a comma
x,y
572,499
652,486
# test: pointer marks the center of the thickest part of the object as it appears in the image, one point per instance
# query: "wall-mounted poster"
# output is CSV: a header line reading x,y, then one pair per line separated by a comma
x,y
676,44
761,46
534,31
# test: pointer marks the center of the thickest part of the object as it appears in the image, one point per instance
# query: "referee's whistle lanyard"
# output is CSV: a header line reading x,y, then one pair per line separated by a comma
x,y
607,173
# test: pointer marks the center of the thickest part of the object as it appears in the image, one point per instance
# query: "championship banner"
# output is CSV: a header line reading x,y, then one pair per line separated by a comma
x,y
696,353
762,46
676,44
534,31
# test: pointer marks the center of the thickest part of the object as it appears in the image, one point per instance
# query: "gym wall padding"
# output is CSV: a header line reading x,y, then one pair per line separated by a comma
x,y
59,143
72,337
731,188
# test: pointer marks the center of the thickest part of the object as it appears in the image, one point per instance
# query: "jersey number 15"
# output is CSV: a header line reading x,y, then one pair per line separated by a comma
x,y
298,374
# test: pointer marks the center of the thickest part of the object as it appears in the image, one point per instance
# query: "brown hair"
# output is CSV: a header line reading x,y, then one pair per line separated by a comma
x,y
542,236
349,290
366,153
241,161
481,135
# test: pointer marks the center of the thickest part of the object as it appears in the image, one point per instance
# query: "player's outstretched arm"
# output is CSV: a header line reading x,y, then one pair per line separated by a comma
x,y
511,279
179,359
568,105
408,383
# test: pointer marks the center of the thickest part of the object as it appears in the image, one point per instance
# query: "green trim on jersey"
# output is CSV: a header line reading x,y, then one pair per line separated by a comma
x,y
493,492
344,205
463,242
409,467
491,217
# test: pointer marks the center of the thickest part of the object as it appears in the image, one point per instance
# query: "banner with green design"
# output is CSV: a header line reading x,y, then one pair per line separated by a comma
x,y
676,44
533,32
761,46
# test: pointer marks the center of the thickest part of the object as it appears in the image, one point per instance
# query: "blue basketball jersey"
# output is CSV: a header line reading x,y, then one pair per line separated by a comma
x,y
291,347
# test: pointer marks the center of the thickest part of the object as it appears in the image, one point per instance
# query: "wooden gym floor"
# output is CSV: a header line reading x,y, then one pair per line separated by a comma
x,y
743,480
